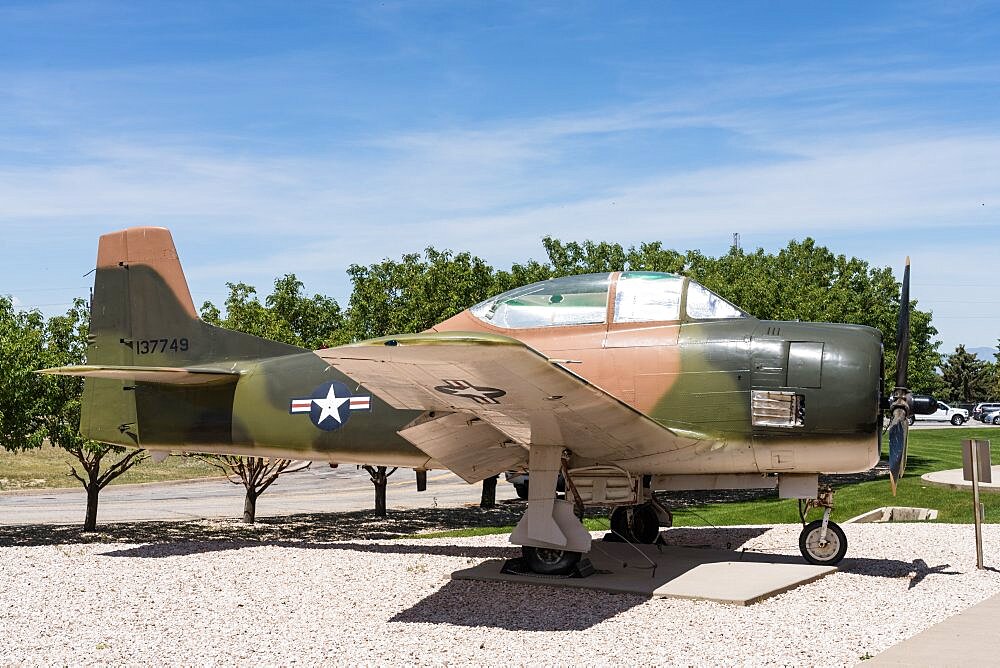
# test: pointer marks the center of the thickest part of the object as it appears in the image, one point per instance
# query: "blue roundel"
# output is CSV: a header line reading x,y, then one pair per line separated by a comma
x,y
331,406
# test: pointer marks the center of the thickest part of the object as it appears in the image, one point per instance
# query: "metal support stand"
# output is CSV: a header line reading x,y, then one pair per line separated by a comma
x,y
976,453
977,507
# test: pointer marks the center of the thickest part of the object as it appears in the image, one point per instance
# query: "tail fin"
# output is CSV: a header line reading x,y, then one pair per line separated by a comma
x,y
142,315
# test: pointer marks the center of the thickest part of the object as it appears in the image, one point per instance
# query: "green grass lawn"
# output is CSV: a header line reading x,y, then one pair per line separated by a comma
x,y
929,450
48,466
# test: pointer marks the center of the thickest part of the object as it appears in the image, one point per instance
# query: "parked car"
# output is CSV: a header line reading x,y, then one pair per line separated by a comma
x,y
944,413
978,413
991,417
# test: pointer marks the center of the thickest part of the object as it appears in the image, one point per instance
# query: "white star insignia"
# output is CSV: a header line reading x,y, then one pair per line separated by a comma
x,y
330,406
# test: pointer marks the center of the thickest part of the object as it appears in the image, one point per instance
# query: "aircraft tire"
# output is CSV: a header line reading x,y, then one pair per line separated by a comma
x,y
823,555
644,528
546,561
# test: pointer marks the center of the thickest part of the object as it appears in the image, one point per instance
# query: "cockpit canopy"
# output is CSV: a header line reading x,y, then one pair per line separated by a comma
x,y
640,296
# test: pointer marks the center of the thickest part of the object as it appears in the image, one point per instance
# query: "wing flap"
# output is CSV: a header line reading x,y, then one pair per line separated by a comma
x,y
471,448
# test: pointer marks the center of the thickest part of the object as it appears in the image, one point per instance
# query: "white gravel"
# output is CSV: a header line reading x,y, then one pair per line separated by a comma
x,y
393,602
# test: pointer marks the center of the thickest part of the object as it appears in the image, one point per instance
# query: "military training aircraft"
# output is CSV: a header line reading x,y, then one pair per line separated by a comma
x,y
622,383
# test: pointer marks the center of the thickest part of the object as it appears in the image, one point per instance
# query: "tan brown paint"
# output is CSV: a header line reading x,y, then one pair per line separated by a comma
x,y
610,355
152,247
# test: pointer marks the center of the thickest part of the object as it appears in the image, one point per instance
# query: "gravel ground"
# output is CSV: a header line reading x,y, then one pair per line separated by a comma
x,y
311,601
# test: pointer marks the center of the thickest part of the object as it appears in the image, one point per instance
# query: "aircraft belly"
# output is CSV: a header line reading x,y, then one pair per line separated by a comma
x,y
817,453
727,456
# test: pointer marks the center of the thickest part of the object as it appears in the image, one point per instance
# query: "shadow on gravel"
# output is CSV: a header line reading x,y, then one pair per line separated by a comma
x,y
917,570
517,607
318,528
160,550
723,538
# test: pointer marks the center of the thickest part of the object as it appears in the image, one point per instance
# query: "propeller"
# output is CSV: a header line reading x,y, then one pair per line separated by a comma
x,y
901,401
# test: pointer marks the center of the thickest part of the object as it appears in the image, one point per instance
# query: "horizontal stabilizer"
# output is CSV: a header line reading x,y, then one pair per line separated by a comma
x,y
164,375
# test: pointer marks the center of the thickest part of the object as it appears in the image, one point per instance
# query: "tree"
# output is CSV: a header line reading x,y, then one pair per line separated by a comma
x,y
488,499
965,377
414,293
35,408
22,392
66,343
255,474
380,479
288,316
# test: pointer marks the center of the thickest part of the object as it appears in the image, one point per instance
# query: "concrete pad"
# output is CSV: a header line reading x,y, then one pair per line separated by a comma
x,y
970,638
722,576
953,479
894,514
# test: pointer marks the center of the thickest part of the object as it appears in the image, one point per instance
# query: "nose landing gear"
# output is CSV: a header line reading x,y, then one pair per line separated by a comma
x,y
821,542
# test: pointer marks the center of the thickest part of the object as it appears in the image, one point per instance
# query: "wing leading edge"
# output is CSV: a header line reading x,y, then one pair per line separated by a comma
x,y
487,398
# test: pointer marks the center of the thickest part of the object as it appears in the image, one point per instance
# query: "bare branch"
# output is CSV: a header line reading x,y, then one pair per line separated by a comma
x,y
222,463
130,459
72,472
279,466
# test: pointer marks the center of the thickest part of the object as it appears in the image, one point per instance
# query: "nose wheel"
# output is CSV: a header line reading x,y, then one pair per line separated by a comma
x,y
821,542
823,546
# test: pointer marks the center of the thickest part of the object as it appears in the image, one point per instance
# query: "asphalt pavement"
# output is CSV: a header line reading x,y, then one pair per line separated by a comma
x,y
316,489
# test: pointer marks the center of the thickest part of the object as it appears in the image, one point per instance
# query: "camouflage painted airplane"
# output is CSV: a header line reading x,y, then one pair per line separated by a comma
x,y
624,383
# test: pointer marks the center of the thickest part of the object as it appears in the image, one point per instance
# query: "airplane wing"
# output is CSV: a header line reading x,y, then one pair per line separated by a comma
x,y
487,398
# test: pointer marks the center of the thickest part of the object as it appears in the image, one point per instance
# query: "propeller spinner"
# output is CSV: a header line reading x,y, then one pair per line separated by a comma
x,y
901,401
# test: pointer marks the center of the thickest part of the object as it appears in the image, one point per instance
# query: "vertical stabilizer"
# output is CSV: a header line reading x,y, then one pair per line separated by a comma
x,y
142,314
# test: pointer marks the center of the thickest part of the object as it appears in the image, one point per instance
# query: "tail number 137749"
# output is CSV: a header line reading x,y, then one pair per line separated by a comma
x,y
151,346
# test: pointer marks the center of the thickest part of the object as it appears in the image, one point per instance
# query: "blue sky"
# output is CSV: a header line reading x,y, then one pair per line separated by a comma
x,y
276,137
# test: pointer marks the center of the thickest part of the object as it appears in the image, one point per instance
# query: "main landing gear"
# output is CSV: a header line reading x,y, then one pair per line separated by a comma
x,y
635,524
821,542
641,523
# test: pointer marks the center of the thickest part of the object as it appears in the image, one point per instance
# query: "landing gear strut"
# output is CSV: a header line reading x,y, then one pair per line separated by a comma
x,y
821,542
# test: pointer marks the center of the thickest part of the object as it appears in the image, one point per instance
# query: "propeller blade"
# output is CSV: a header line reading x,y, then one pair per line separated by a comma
x,y
902,399
899,431
903,329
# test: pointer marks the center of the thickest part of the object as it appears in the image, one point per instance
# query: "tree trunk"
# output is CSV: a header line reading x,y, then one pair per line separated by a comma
x,y
381,481
250,507
489,497
90,521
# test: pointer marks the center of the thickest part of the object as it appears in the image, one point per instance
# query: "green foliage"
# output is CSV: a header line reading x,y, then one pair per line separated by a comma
x,y
287,315
22,393
965,377
415,293
36,407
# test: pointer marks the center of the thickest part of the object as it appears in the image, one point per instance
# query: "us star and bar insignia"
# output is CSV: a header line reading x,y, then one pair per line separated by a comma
x,y
331,405
478,393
